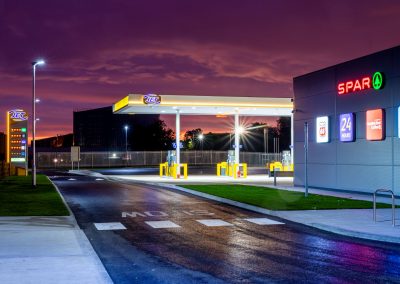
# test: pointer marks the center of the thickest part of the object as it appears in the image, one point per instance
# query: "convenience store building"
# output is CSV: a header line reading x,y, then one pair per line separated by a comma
x,y
352,112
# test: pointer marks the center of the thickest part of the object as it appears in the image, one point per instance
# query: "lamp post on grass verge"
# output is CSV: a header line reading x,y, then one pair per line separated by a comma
x,y
34,101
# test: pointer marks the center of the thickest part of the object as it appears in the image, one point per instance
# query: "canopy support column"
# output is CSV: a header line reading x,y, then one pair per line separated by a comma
x,y
177,140
292,138
237,138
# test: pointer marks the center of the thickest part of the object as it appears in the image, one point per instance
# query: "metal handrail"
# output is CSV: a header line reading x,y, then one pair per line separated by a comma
x,y
393,204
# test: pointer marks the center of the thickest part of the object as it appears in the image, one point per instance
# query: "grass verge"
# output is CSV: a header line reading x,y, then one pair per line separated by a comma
x,y
274,199
18,198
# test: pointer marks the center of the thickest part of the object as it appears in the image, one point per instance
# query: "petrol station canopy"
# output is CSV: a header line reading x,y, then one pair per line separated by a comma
x,y
203,105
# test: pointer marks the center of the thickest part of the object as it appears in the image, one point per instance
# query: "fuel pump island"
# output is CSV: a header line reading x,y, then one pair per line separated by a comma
x,y
205,105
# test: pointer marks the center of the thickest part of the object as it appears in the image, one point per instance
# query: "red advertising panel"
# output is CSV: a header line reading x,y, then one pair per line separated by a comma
x,y
375,124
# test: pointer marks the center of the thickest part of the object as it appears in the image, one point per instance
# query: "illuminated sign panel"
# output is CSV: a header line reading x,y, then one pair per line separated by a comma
x,y
151,99
375,81
398,122
375,125
346,127
17,136
322,129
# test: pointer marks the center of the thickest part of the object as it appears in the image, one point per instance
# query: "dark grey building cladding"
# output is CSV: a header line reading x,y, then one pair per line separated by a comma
x,y
361,165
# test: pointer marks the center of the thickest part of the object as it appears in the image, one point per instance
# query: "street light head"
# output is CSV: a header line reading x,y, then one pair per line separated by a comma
x,y
37,100
39,62
201,136
126,127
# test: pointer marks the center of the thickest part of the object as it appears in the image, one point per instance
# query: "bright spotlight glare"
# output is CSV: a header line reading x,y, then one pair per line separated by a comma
x,y
40,62
201,136
240,130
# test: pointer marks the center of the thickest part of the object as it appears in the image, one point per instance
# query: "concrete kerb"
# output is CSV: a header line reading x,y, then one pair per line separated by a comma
x,y
71,215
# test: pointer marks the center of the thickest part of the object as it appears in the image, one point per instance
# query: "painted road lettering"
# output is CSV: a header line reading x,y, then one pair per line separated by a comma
x,y
134,214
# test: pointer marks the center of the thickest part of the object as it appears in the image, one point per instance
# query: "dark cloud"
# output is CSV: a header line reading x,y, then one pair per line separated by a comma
x,y
98,51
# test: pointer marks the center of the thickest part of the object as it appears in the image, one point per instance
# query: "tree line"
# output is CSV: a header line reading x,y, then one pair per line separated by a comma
x,y
255,137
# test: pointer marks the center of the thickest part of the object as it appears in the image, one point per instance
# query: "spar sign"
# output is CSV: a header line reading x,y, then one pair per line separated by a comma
x,y
322,129
376,81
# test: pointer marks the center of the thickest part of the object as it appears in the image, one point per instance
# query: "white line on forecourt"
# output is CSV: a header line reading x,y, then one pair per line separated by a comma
x,y
109,226
169,224
214,222
162,224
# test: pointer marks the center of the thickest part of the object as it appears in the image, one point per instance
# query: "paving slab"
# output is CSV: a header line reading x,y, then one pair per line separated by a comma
x,y
47,250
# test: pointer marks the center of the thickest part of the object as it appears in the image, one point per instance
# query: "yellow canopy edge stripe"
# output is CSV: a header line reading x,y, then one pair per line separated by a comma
x,y
121,104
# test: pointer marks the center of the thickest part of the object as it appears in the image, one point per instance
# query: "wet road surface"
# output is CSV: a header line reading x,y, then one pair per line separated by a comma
x,y
172,237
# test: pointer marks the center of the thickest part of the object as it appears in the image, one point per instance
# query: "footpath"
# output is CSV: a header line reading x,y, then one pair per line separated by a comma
x,y
47,250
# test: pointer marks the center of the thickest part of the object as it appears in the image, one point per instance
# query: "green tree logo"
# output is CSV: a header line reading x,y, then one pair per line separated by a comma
x,y
377,81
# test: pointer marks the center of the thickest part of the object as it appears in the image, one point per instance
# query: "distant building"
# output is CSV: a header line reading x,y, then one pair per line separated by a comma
x,y
55,142
101,130
2,146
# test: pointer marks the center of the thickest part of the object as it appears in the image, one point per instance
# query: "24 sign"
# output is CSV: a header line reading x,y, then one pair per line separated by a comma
x,y
346,130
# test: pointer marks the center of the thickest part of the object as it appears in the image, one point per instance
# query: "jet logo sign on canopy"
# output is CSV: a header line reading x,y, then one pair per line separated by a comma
x,y
151,99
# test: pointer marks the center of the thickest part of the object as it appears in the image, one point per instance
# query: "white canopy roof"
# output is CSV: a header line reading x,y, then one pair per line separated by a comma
x,y
203,105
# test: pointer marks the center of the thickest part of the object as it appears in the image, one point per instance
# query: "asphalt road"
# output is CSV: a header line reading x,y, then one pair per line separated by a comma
x,y
240,251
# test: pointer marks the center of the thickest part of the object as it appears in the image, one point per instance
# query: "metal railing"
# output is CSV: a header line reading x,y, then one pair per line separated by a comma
x,y
147,158
393,204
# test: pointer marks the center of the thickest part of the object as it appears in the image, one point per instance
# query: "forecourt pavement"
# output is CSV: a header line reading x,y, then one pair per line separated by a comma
x,y
147,233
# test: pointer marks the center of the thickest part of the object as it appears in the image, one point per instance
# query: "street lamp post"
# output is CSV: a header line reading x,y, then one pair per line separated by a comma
x,y
201,138
40,62
126,142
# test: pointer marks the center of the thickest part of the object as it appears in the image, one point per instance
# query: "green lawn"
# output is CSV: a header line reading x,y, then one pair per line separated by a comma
x,y
275,199
18,198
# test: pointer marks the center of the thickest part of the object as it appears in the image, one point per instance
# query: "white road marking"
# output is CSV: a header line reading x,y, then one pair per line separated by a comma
x,y
109,226
263,221
214,222
99,179
162,224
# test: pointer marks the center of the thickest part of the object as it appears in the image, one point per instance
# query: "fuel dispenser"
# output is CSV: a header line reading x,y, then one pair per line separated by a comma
x,y
229,168
285,166
287,161
170,167
171,158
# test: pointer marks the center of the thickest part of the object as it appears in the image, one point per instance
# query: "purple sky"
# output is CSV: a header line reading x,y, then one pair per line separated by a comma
x,y
99,51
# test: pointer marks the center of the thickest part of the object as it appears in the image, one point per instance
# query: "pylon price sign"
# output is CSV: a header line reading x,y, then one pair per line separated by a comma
x,y
17,137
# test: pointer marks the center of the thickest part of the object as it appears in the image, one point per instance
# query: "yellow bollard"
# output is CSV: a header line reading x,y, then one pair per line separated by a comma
x,y
244,170
185,171
219,169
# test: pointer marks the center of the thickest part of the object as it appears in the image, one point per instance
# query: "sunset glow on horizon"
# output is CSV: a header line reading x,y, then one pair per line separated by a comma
x,y
96,54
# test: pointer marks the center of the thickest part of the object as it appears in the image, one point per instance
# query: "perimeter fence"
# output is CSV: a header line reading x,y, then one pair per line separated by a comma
x,y
147,158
